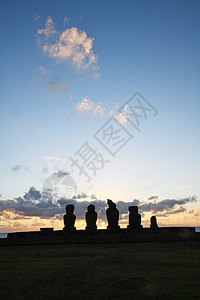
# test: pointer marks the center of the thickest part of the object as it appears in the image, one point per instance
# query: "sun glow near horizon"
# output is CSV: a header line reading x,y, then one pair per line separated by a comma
x,y
20,224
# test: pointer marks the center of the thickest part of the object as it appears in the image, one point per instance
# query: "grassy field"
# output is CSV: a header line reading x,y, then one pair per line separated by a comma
x,y
109,271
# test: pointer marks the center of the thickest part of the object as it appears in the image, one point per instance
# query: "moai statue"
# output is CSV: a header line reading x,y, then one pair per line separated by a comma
x,y
134,219
91,218
112,214
69,218
153,225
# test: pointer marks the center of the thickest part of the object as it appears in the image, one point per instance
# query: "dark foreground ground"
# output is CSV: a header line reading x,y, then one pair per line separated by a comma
x,y
104,271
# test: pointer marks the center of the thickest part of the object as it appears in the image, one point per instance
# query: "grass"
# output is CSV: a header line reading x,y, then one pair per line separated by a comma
x,y
103,271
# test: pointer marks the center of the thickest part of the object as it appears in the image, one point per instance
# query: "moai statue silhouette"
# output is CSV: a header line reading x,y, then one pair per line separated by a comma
x,y
91,218
153,225
134,219
112,214
69,218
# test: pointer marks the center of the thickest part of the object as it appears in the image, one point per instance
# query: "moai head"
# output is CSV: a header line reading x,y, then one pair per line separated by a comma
x,y
91,208
70,209
111,204
153,220
91,218
133,210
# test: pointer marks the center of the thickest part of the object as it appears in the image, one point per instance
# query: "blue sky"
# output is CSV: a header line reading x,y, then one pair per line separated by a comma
x,y
48,97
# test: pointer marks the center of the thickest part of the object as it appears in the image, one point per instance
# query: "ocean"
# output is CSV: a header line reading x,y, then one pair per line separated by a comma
x,y
3,235
197,229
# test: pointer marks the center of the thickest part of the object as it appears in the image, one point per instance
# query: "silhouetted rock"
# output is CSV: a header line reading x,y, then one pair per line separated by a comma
x,y
134,219
69,218
154,225
91,218
112,214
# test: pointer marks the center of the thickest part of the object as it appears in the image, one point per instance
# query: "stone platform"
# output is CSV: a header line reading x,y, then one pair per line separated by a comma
x,y
50,236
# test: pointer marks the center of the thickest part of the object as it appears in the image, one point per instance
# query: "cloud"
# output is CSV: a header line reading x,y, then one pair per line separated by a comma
x,y
164,205
123,206
178,211
57,86
71,46
172,212
153,198
48,30
81,207
86,105
42,70
30,208
19,168
121,118
98,110
38,224
32,194
50,158
35,18
38,204
9,215
80,196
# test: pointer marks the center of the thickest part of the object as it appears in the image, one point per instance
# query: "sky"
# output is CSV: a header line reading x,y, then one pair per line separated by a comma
x,y
99,99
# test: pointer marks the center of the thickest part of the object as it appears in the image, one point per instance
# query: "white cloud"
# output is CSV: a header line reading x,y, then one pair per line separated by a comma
x,y
56,86
98,110
87,105
50,158
49,28
72,46
84,105
121,118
